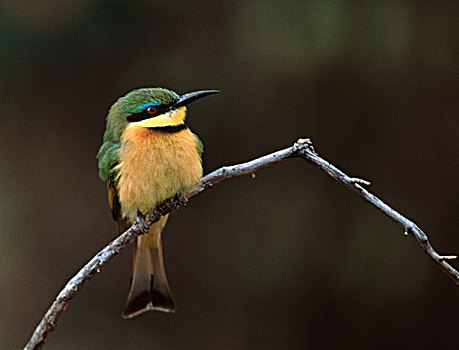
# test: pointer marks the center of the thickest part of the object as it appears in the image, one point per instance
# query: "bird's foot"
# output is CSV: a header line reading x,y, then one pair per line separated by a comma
x,y
140,219
181,199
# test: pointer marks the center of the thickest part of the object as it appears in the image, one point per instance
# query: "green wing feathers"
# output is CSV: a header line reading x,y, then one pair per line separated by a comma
x,y
108,159
200,145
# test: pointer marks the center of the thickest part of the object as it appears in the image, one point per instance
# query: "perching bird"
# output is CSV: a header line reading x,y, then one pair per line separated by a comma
x,y
148,155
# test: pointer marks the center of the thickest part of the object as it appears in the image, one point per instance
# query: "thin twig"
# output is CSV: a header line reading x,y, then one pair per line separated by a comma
x,y
409,226
301,149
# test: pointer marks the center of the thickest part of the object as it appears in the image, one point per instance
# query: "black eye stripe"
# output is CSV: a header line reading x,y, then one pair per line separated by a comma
x,y
137,117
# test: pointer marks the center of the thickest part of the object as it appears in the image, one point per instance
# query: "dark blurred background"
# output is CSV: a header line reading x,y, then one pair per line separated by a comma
x,y
290,260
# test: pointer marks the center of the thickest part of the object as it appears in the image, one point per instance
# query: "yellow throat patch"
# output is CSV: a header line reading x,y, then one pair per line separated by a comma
x,y
170,118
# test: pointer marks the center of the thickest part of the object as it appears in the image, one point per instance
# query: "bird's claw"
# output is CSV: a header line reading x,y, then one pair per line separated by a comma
x,y
140,219
181,199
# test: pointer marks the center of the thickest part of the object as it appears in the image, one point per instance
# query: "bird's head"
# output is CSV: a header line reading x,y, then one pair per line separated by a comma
x,y
154,108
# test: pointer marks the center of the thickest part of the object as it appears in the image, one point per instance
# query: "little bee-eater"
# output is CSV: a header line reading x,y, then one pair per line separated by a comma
x,y
148,154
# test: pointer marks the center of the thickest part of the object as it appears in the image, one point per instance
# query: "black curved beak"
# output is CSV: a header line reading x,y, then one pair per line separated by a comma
x,y
193,96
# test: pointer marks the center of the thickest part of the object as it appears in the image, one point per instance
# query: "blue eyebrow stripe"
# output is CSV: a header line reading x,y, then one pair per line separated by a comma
x,y
149,104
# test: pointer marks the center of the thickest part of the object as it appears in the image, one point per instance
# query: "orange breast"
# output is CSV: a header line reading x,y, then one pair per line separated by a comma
x,y
155,166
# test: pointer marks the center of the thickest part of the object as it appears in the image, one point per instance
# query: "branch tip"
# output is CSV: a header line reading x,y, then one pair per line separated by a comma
x,y
448,257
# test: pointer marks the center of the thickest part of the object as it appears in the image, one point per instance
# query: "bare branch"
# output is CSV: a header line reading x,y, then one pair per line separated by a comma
x,y
409,226
301,149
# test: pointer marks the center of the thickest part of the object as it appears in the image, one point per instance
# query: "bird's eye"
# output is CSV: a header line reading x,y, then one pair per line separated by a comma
x,y
151,110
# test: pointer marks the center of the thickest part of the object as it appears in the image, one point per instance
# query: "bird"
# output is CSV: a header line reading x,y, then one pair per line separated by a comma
x,y
148,155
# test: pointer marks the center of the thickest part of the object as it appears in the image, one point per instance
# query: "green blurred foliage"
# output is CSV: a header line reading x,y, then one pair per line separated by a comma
x,y
289,260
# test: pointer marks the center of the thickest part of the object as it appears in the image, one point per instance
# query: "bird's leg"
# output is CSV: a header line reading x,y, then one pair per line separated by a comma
x,y
140,219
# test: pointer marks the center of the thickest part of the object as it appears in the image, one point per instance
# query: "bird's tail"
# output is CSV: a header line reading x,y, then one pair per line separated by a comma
x,y
149,287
